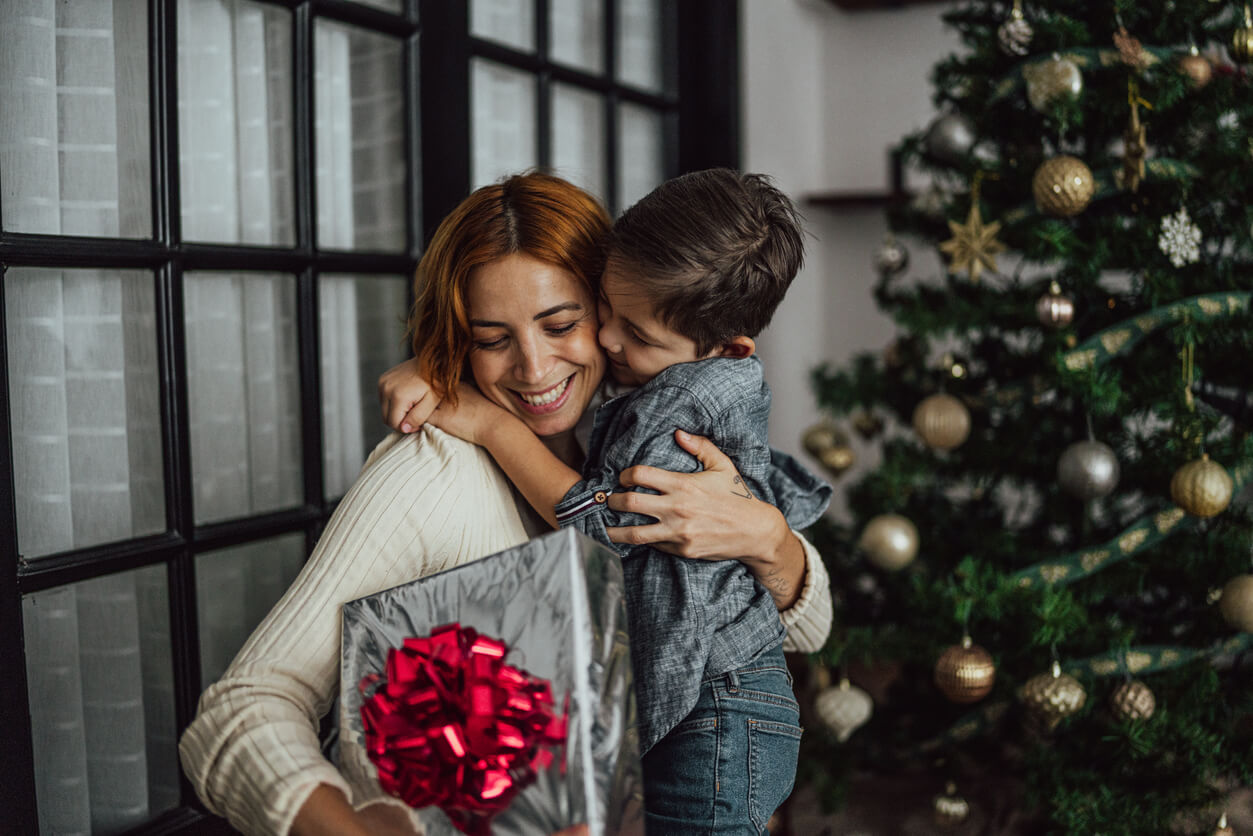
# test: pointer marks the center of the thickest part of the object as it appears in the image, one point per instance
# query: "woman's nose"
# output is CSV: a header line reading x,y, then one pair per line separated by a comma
x,y
531,363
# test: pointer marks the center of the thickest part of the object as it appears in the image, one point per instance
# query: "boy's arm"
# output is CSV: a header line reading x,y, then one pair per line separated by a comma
x,y
534,470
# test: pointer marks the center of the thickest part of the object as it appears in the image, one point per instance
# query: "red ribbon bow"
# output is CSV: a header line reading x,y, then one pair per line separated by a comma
x,y
456,727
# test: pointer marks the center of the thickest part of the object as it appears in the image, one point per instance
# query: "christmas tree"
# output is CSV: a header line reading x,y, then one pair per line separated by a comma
x,y
1049,576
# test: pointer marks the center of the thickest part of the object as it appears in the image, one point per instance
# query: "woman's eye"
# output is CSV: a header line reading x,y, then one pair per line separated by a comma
x,y
558,330
491,345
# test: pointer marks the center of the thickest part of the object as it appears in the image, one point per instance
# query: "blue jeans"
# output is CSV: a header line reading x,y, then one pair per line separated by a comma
x,y
728,766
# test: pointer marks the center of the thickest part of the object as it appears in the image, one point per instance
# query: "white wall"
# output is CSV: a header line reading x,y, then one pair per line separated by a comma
x,y
826,93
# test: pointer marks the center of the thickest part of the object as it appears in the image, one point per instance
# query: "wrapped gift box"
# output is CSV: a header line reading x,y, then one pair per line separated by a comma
x,y
558,605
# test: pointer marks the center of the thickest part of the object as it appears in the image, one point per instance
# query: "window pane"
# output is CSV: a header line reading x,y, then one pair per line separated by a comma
x,y
639,56
396,6
510,22
502,122
235,122
578,137
360,134
641,153
243,394
101,690
74,156
362,333
83,390
576,34
235,589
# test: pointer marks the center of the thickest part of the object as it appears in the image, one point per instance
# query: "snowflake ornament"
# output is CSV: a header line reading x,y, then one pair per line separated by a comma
x,y
1180,239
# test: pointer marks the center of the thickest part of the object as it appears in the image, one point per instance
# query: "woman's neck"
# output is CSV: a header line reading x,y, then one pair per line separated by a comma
x,y
565,447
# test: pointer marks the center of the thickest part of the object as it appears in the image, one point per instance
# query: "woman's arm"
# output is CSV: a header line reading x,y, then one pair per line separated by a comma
x,y
252,752
712,515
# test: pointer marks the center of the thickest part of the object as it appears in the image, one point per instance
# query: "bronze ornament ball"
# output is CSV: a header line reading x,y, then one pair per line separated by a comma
x,y
1052,697
1063,186
942,421
1202,487
965,672
1132,700
1055,309
1197,68
1236,603
889,541
1088,470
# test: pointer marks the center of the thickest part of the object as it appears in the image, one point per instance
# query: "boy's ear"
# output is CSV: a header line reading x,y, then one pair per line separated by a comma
x,y
738,347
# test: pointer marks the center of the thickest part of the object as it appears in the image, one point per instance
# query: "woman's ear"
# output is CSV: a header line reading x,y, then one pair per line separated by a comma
x,y
738,347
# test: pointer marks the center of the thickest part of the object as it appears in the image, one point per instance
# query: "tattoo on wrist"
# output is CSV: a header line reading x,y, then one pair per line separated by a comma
x,y
740,488
776,582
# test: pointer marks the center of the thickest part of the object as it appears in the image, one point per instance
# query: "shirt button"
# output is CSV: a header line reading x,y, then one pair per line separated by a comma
x,y
600,497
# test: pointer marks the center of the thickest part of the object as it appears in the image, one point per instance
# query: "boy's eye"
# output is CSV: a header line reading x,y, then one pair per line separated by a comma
x,y
637,338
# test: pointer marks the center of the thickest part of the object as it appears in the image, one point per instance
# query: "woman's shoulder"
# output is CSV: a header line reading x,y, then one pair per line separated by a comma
x,y
426,445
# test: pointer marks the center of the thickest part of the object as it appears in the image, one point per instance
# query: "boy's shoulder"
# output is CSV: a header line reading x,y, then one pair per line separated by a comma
x,y
716,382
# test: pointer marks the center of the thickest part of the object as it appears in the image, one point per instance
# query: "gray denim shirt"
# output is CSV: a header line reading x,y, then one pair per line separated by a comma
x,y
690,619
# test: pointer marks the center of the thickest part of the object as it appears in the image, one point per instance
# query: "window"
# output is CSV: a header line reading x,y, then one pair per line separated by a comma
x,y
210,211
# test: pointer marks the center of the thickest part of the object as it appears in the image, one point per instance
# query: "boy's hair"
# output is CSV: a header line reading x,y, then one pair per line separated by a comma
x,y
715,250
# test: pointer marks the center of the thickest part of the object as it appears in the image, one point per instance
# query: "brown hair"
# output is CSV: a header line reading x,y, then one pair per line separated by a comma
x,y
540,215
715,249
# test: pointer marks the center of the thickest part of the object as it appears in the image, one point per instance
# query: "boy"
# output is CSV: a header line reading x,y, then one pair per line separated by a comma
x,y
695,270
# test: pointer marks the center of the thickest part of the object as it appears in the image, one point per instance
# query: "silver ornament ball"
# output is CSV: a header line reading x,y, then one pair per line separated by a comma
x,y
950,138
891,257
1088,470
844,709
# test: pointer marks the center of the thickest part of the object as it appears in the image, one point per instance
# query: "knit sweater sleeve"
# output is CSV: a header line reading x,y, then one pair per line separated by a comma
x,y
423,503
808,621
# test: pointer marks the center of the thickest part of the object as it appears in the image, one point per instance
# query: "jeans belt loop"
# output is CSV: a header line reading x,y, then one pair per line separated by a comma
x,y
733,682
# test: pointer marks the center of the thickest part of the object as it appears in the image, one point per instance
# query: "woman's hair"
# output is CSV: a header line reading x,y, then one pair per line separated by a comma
x,y
536,214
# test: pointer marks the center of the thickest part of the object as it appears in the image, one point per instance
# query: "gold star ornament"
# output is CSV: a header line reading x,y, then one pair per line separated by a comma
x,y
973,246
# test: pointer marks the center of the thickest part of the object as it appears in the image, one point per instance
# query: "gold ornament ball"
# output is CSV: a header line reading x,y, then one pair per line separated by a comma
x,y
1236,603
844,709
1055,309
950,808
1052,697
1197,68
1201,487
1050,80
1063,186
1133,700
965,672
830,446
942,421
889,541
1242,40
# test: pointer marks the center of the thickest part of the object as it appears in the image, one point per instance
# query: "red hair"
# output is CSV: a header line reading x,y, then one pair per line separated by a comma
x,y
536,214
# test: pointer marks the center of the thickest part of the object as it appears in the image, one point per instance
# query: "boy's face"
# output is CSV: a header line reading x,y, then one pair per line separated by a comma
x,y
640,346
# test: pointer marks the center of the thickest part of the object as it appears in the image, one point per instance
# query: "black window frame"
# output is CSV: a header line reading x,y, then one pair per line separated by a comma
x,y
701,112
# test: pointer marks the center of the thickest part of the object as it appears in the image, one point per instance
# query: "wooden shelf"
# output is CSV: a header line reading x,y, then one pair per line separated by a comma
x,y
880,5
856,200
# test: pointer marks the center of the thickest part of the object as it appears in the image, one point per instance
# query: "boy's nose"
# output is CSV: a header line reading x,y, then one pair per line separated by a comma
x,y
608,339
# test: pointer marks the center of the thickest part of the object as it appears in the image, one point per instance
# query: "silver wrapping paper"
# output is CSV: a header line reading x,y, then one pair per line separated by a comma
x,y
558,603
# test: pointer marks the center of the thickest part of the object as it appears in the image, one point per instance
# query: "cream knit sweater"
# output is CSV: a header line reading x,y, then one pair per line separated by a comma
x,y
424,503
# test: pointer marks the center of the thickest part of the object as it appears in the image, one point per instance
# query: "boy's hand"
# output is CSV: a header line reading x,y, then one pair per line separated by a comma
x,y
406,397
472,417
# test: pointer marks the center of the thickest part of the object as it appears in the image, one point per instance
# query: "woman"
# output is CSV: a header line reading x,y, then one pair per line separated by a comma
x,y
505,298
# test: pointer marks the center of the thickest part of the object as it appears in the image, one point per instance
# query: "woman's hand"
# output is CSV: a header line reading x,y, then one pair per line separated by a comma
x,y
406,397
711,515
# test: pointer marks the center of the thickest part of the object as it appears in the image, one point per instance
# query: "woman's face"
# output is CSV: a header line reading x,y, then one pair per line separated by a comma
x,y
534,349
